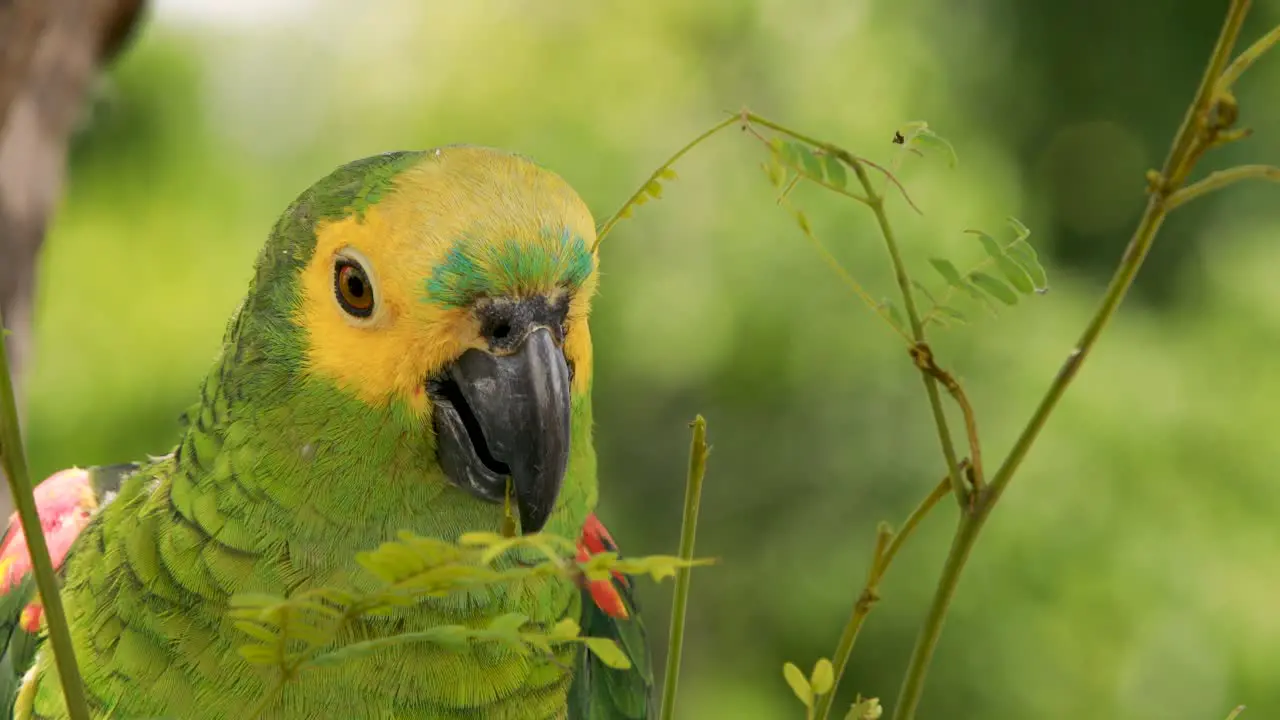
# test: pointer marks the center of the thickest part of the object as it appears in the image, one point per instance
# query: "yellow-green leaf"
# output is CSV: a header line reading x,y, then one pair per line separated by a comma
x,y
776,174
868,709
823,677
799,683
565,629
803,221
608,652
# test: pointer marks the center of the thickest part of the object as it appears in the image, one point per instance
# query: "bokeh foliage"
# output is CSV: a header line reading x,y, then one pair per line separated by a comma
x,y
1130,572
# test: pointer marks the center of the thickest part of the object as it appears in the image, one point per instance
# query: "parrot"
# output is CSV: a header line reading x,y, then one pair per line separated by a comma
x,y
412,353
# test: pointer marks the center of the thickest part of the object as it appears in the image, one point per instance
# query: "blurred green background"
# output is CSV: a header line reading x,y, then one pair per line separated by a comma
x,y
1133,571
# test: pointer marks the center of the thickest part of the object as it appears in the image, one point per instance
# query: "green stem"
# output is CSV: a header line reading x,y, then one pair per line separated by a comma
x,y
1218,180
881,559
1247,58
688,531
917,332
1185,150
14,461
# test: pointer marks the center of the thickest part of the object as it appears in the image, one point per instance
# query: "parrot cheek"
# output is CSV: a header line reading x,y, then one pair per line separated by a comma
x,y
507,416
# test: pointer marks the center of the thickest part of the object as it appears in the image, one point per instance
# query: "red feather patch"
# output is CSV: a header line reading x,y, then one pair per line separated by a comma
x,y
64,502
595,540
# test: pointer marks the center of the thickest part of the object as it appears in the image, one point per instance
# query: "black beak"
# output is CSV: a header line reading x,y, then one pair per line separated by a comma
x,y
502,416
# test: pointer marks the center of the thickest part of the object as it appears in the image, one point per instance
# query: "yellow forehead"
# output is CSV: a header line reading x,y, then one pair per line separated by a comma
x,y
452,195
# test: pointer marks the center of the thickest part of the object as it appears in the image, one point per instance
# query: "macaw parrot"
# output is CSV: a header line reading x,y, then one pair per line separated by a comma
x,y
414,342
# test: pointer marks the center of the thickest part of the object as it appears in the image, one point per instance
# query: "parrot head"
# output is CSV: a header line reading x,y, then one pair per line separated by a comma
x,y
445,293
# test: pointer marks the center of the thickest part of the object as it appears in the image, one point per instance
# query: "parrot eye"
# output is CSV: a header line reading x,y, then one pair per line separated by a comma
x,y
352,287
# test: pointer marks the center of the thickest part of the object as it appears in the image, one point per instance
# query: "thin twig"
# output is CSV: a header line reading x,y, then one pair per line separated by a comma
x,y
888,544
922,354
1219,180
1246,59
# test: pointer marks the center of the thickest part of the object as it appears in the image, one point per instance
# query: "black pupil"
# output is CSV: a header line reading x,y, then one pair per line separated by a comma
x,y
355,284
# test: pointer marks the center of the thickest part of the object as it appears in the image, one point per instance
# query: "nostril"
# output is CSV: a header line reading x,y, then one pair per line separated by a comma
x,y
500,331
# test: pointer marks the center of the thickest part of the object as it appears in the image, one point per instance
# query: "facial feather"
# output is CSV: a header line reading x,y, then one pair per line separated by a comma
x,y
456,225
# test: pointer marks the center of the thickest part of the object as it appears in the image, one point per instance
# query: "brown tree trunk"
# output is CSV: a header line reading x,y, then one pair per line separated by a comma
x,y
50,54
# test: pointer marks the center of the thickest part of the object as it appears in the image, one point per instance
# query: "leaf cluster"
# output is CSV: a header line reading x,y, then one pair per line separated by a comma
x,y
305,629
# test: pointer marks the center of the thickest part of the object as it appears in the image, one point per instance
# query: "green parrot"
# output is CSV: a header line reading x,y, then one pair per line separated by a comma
x,y
413,343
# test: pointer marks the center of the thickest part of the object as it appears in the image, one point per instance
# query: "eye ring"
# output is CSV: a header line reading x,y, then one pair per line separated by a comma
x,y
352,287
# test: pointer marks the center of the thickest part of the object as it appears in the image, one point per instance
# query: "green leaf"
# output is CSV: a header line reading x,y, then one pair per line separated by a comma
x,y
1022,232
918,133
822,678
668,174
1011,271
812,165
799,684
654,189
608,652
836,173
989,243
1016,276
952,313
1025,256
929,138
948,271
791,153
924,291
994,287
